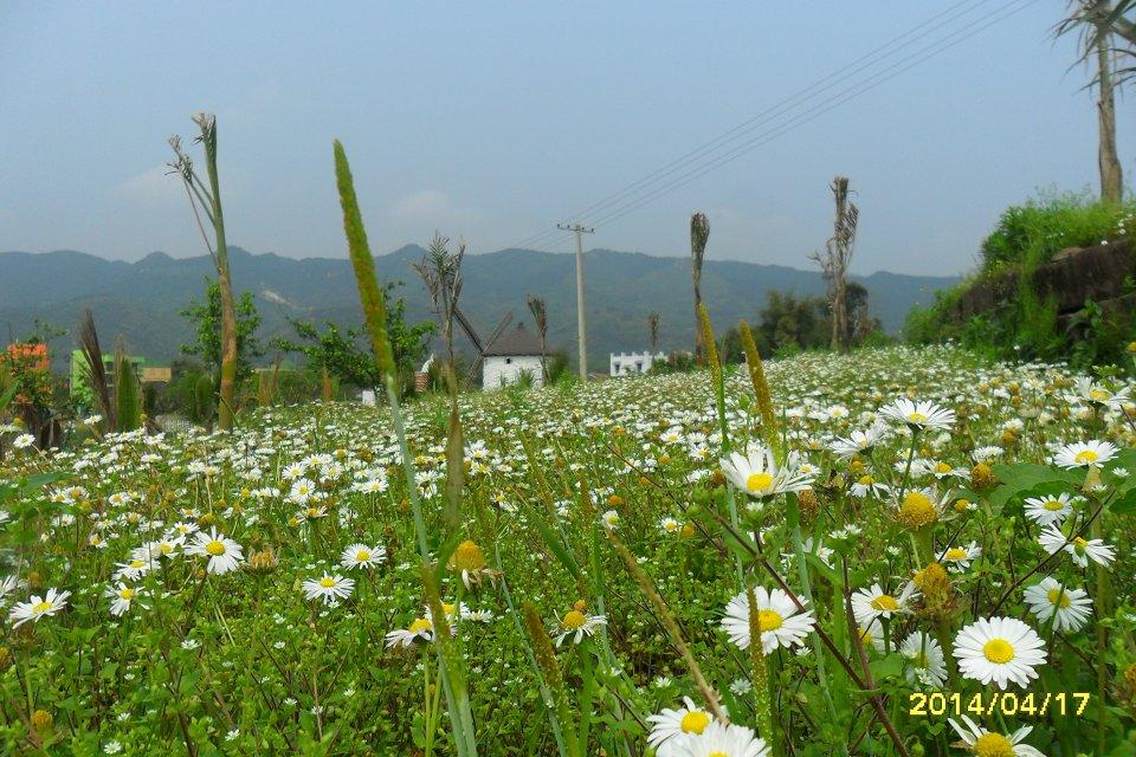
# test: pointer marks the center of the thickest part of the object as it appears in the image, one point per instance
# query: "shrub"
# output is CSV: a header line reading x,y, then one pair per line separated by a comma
x,y
1031,234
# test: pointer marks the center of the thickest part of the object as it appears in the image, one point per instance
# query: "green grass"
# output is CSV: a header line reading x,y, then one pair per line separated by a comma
x,y
243,663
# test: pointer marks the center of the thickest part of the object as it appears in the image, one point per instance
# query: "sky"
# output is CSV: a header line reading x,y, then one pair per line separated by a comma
x,y
492,121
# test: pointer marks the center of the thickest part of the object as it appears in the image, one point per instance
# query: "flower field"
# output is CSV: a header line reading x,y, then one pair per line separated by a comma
x,y
937,554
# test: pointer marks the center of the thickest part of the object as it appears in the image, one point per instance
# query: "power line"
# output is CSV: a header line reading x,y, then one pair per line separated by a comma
x,y
803,118
638,192
843,73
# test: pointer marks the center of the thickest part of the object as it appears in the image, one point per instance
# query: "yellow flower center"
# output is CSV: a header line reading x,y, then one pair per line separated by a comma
x,y
885,603
327,582
866,481
1086,457
41,607
998,651
1080,544
166,548
448,608
1053,505
695,722
420,625
1099,395
1059,597
137,564
942,468
917,510
993,745
127,594
759,482
468,556
916,417
215,548
363,555
717,753
954,554
574,620
769,620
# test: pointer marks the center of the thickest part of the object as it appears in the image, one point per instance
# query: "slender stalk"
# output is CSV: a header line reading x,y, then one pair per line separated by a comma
x,y
760,675
669,622
450,664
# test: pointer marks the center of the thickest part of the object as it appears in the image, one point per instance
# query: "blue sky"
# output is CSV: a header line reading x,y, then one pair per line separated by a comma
x,y
491,121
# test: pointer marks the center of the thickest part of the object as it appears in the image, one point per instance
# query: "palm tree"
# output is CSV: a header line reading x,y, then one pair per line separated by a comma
x,y
653,329
207,201
699,235
440,270
540,317
1096,22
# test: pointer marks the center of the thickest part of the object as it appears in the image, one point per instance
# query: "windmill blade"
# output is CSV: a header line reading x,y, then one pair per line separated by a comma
x,y
501,326
469,332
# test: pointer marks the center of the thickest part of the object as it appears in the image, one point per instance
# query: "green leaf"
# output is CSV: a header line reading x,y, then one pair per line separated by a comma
x,y
1021,478
1125,504
887,667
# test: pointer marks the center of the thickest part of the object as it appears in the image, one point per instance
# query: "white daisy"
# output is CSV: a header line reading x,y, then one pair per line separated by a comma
x,y
986,743
1051,510
1080,549
756,473
957,559
1000,650
858,442
329,588
723,740
121,597
362,556
866,486
1084,454
919,415
37,607
669,725
420,630
223,553
578,624
926,663
780,622
1068,609
869,604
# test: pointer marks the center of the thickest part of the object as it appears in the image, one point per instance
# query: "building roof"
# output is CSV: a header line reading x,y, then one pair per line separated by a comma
x,y
519,341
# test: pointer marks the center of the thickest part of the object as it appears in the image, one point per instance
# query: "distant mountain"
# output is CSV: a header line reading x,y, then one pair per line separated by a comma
x,y
141,300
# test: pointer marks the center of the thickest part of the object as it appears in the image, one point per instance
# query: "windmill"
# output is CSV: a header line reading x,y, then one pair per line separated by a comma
x,y
480,345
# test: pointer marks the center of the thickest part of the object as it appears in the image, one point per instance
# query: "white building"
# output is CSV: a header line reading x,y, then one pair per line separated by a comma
x,y
631,363
509,357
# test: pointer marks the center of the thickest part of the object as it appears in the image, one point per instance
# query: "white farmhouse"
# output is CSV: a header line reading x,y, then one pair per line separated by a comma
x,y
631,363
511,355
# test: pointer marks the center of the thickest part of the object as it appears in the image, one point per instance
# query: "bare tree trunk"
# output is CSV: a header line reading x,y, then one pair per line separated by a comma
x,y
229,353
1111,177
699,235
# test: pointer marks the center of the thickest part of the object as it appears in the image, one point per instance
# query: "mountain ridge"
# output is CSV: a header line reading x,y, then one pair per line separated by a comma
x,y
141,299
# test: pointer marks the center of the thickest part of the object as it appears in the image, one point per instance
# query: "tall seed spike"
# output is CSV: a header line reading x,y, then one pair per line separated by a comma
x,y
708,344
761,390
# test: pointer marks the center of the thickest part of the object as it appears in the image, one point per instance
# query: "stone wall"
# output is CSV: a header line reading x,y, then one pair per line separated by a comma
x,y
1073,276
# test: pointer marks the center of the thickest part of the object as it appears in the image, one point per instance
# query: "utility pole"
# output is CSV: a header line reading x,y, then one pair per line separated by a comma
x,y
581,326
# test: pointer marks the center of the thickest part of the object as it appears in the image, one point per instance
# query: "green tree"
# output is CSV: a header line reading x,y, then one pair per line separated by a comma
x,y
791,322
346,355
206,317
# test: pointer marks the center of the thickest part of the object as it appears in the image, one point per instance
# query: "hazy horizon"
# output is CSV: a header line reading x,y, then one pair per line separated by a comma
x,y
493,123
